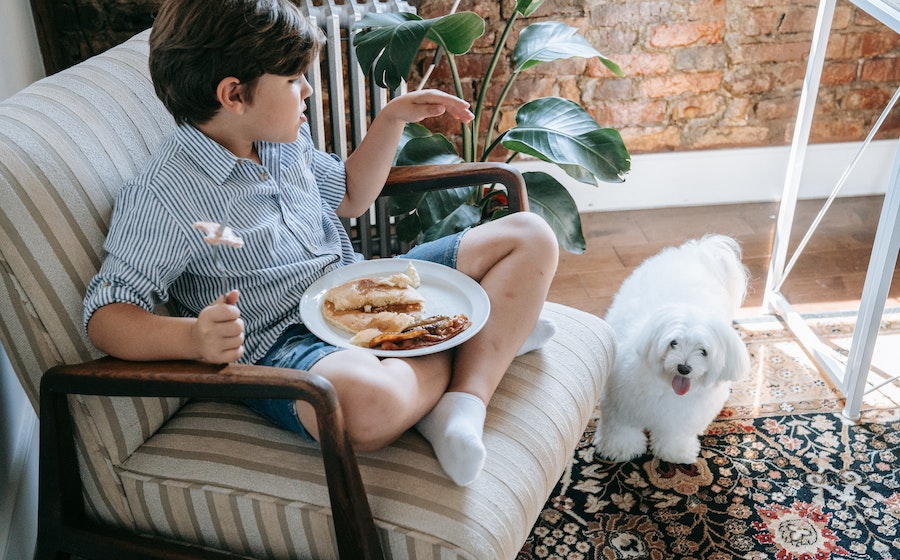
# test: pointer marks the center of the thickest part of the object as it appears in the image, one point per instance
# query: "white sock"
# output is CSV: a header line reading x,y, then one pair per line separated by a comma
x,y
454,428
541,335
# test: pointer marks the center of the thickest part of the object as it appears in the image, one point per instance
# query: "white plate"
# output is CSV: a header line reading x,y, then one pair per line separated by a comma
x,y
446,291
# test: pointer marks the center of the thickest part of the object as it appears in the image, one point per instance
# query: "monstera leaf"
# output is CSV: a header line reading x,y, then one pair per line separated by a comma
x,y
387,43
550,200
562,132
552,40
551,129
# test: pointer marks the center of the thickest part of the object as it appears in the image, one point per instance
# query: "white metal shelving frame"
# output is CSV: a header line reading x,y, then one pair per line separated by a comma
x,y
850,375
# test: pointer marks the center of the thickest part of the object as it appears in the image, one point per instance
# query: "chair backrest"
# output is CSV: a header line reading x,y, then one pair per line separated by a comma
x,y
67,144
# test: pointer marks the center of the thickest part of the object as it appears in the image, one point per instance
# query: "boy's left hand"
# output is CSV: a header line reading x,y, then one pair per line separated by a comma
x,y
418,105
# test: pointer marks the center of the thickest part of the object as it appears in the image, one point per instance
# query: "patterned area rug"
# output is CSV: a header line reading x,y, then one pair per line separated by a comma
x,y
781,475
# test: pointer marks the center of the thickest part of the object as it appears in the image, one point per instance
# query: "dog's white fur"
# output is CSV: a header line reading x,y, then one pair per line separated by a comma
x,y
673,312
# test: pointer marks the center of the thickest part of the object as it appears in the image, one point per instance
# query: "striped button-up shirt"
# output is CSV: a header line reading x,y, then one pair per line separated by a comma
x,y
283,209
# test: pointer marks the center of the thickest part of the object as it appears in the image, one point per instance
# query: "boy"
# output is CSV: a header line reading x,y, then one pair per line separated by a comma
x,y
231,72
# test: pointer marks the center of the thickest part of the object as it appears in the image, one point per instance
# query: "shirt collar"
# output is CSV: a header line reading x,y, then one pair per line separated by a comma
x,y
210,157
218,163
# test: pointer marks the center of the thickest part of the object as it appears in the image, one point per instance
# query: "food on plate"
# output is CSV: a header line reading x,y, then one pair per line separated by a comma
x,y
217,234
386,313
388,304
426,332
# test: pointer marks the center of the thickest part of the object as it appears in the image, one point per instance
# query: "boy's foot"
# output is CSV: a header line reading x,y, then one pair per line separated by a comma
x,y
541,335
454,428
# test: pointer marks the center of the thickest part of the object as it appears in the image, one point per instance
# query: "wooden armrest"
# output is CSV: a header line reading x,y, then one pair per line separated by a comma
x,y
114,377
61,493
416,178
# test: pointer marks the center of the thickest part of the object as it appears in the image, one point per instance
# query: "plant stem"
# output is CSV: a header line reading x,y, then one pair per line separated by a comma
x,y
467,149
495,114
482,93
493,145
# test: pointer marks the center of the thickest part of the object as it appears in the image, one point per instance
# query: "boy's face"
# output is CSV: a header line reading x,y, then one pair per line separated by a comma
x,y
277,109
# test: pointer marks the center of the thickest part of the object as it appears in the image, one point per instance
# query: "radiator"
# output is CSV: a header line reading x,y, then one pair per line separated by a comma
x,y
343,102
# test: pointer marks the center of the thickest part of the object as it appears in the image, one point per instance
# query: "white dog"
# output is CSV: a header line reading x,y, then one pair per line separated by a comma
x,y
677,352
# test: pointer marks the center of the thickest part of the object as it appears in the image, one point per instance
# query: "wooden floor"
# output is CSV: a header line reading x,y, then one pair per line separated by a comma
x,y
828,276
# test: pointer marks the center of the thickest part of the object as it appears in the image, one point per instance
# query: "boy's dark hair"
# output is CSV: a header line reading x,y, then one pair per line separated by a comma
x,y
195,44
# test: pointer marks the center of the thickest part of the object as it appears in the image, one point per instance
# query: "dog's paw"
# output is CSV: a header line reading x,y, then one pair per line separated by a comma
x,y
682,451
621,445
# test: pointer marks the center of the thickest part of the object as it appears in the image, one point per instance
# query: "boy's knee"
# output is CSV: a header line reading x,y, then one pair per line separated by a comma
x,y
374,411
536,235
374,425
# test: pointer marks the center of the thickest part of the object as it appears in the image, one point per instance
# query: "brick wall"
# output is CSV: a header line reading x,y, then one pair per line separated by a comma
x,y
700,74
704,74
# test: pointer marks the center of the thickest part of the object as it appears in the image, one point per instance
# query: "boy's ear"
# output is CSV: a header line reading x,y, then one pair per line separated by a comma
x,y
230,93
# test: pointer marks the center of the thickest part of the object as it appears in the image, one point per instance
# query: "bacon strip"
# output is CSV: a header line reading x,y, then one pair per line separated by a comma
x,y
427,332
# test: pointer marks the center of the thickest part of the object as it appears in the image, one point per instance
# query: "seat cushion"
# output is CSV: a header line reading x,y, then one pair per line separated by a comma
x,y
218,475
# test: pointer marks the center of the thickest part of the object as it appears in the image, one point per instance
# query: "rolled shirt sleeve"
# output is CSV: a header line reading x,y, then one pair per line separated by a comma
x,y
143,256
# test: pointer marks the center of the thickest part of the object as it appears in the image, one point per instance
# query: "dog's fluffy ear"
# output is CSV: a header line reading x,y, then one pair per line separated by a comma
x,y
735,360
658,331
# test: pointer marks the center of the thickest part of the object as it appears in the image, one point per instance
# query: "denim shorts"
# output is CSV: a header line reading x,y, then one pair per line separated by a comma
x,y
297,348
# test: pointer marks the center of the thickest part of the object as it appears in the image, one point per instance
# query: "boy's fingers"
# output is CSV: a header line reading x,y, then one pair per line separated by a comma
x,y
463,114
231,298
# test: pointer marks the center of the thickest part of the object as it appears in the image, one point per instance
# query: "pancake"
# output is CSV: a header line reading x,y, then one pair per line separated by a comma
x,y
388,304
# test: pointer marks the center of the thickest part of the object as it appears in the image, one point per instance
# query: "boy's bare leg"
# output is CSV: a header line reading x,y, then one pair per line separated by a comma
x,y
514,259
380,399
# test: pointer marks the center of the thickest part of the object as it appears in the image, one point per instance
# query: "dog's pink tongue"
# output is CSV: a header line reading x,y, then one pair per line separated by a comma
x,y
681,384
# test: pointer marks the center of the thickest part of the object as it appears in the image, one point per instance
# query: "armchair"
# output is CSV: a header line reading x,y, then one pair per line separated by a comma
x,y
157,460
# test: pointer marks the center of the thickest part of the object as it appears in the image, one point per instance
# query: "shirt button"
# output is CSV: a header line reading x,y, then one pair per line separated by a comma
x,y
264,176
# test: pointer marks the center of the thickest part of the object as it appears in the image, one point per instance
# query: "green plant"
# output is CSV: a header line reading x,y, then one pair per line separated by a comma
x,y
552,129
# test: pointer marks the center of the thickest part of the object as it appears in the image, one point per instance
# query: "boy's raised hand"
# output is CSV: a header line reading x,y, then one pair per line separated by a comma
x,y
219,330
419,105
368,165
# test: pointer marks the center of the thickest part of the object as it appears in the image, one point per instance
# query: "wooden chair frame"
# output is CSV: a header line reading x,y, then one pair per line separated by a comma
x,y
64,528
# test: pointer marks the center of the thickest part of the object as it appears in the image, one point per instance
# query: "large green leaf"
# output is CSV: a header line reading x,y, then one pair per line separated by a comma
x,y
553,202
408,228
456,33
562,132
528,7
436,205
551,40
427,150
420,146
434,212
462,217
387,43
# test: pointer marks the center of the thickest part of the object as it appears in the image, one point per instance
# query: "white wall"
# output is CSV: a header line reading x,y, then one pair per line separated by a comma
x,y
18,468
730,176
20,64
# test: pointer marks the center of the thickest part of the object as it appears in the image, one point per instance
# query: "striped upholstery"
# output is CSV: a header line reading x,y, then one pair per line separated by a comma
x,y
268,490
214,473
67,143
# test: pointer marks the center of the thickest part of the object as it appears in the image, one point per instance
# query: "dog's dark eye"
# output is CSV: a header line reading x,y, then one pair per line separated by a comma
x,y
703,352
673,344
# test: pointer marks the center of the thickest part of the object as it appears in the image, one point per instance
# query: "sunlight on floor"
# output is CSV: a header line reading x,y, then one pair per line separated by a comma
x,y
834,325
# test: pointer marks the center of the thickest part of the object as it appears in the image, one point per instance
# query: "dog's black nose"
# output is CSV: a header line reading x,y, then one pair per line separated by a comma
x,y
684,369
